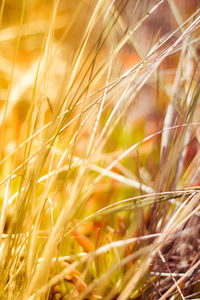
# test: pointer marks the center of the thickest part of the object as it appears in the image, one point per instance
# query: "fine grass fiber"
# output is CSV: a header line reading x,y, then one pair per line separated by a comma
x,y
100,149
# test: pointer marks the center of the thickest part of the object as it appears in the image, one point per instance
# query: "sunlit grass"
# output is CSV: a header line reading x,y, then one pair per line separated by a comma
x,y
99,121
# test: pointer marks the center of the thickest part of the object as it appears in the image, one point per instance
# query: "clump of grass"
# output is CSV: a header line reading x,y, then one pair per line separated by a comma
x,y
99,150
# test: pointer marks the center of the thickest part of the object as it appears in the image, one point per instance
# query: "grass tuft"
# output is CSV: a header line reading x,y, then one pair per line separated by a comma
x,y
99,152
